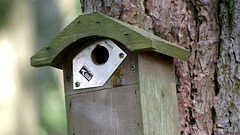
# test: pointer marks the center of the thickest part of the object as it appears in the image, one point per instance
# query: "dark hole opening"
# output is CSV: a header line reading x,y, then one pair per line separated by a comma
x,y
100,55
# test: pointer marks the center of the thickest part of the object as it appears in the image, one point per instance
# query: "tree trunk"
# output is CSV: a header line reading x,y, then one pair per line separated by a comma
x,y
227,100
208,83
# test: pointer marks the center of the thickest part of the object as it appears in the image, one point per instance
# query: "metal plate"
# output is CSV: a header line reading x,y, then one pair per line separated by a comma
x,y
93,66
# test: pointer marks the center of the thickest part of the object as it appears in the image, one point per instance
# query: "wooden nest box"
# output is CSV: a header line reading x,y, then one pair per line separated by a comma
x,y
118,79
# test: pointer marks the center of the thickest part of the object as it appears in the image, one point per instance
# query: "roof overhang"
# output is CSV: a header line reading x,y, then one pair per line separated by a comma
x,y
96,25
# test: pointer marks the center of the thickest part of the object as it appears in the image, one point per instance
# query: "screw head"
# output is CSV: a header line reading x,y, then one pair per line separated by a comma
x,y
133,67
121,55
77,84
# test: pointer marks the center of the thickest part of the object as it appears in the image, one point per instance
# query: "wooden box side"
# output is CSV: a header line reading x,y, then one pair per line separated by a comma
x,y
158,94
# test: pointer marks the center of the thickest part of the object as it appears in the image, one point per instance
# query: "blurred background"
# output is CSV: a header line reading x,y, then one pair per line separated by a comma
x,y
31,99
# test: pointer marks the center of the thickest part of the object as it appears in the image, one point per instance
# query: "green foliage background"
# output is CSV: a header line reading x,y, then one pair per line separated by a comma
x,y
50,96
47,89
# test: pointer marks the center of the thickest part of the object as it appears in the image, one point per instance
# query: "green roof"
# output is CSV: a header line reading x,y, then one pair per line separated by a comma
x,y
96,25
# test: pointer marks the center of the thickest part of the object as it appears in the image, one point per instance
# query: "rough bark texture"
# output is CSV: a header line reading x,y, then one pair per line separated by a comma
x,y
227,100
208,83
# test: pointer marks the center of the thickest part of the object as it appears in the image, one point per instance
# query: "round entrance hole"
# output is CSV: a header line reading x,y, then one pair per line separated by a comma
x,y
100,55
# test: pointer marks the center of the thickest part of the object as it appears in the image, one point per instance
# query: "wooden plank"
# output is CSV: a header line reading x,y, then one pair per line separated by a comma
x,y
158,94
95,25
115,111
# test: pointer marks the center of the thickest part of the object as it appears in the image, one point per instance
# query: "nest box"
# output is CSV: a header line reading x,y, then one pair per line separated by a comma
x,y
118,79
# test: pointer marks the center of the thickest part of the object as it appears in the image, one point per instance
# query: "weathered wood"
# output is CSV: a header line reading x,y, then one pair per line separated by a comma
x,y
140,98
90,25
158,94
115,111
109,110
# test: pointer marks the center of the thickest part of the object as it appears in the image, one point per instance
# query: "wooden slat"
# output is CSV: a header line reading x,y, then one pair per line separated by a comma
x,y
107,112
158,94
95,25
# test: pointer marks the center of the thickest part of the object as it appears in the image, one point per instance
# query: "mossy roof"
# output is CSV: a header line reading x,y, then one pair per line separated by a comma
x,y
95,25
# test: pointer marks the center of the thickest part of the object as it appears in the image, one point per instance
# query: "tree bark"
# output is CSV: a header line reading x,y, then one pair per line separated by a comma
x,y
208,83
227,100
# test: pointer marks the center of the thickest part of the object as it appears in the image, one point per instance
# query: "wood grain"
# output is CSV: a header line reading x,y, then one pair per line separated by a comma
x,y
113,111
158,94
